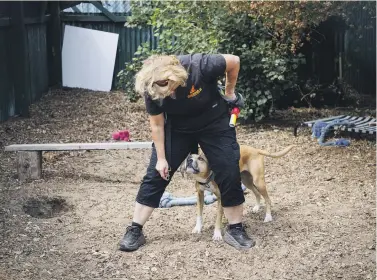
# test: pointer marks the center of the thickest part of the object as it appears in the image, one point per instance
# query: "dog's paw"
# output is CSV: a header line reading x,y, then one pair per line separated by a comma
x,y
217,236
198,225
268,218
256,209
197,229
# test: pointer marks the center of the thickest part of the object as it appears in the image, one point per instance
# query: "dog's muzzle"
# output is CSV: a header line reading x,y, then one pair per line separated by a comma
x,y
189,163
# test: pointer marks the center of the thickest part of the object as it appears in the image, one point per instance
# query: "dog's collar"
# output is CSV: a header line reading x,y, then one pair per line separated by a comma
x,y
210,177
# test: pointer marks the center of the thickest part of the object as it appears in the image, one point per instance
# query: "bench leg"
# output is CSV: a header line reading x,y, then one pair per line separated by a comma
x,y
29,165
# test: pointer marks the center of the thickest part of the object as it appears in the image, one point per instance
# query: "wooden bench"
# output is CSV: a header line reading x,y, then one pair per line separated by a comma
x,y
29,160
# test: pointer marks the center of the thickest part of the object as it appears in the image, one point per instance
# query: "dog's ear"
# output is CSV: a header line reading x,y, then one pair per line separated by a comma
x,y
199,150
203,155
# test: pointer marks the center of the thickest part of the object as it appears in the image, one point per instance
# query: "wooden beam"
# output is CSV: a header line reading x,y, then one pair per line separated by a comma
x,y
105,11
4,22
90,18
19,55
75,9
29,161
42,19
29,165
79,146
54,45
27,21
43,11
69,4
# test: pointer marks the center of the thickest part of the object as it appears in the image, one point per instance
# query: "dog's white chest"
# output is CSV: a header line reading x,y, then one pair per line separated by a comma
x,y
207,187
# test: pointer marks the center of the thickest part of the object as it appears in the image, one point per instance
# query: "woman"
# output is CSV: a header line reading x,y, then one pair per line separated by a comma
x,y
186,109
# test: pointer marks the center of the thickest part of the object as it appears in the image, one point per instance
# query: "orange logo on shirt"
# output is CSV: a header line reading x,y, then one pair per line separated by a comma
x,y
194,92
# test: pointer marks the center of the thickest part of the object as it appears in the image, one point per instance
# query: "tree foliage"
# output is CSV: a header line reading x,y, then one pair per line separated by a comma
x,y
265,34
290,23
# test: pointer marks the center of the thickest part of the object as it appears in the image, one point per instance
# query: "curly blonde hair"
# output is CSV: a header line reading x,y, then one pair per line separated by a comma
x,y
160,68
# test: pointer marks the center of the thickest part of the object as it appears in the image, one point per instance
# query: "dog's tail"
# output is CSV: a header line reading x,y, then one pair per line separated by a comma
x,y
278,154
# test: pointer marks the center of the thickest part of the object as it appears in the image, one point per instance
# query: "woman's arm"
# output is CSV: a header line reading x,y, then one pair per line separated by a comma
x,y
231,72
157,123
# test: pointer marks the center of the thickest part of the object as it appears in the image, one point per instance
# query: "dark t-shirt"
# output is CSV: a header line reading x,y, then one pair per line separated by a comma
x,y
199,102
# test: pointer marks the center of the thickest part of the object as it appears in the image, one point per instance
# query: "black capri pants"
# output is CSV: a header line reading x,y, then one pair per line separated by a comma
x,y
218,142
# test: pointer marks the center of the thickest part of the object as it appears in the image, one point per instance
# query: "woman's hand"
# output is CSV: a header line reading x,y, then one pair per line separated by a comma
x,y
162,167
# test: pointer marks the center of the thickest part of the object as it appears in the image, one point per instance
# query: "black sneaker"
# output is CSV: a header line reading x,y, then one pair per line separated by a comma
x,y
238,238
132,239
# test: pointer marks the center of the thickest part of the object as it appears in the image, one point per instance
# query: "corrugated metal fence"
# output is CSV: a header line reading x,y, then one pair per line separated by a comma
x,y
37,68
37,50
344,52
360,54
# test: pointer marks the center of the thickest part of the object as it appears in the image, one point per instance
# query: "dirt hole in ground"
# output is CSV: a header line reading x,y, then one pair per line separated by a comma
x,y
45,207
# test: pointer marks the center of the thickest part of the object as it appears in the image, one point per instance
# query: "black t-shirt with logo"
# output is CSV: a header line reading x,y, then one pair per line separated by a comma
x,y
199,103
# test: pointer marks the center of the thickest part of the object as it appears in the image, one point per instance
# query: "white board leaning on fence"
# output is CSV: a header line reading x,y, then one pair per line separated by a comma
x,y
88,58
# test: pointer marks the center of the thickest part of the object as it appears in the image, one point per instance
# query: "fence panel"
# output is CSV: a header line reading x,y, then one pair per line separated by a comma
x,y
7,97
360,54
37,58
37,68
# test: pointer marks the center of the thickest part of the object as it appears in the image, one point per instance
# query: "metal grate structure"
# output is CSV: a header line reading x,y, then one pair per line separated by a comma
x,y
359,124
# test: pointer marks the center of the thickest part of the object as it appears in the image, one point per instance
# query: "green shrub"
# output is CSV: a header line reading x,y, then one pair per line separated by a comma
x,y
265,35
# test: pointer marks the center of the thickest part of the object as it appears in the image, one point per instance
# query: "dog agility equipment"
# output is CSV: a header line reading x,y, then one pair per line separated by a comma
x,y
363,125
321,129
168,200
29,161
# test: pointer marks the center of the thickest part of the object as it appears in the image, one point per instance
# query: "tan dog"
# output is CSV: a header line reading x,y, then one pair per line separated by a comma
x,y
252,176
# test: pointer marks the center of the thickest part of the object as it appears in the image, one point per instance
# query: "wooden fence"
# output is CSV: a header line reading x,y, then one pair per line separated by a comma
x,y
24,69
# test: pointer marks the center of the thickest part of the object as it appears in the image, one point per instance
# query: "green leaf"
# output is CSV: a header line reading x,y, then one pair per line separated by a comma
x,y
259,117
268,94
261,101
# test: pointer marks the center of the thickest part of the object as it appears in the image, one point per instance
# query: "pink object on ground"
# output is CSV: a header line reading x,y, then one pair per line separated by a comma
x,y
122,135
